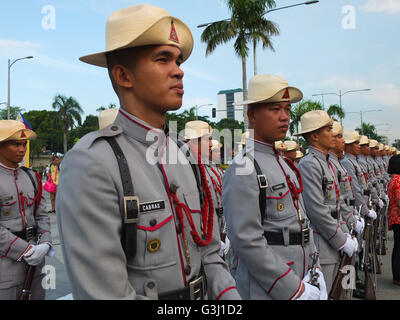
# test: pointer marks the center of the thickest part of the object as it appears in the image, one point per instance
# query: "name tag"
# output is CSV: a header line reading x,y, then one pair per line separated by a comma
x,y
152,206
278,186
6,200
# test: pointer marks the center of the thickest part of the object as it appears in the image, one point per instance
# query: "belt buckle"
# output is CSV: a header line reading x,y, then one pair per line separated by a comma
x,y
305,237
29,234
196,288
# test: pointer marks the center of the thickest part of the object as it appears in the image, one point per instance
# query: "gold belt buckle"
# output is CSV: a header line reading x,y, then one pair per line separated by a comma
x,y
196,288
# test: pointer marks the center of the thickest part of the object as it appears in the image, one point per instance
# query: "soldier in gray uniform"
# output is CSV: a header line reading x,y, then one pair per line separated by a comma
x,y
24,223
347,202
263,204
135,212
322,194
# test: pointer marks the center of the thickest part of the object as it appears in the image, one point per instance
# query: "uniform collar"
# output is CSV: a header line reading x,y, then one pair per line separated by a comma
x,y
7,170
319,153
350,156
333,156
261,146
138,129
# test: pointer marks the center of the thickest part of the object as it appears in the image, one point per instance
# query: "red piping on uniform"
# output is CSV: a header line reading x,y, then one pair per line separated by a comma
x,y
276,280
298,289
290,263
335,232
5,255
279,197
7,205
227,289
156,226
129,118
19,203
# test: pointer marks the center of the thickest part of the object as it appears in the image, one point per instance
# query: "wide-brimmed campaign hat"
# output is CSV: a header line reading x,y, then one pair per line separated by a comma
x,y
107,117
364,140
270,88
142,25
279,145
299,154
11,130
337,128
290,145
373,143
381,146
350,136
197,129
314,120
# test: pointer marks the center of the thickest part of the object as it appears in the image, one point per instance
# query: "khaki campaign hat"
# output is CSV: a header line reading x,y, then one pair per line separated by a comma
x,y
299,154
373,143
387,148
337,128
107,117
270,88
350,136
13,130
290,145
314,120
381,146
279,145
142,25
197,129
364,140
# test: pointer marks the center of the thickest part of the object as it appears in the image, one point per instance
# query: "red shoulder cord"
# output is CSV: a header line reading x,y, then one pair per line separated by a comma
x,y
334,183
207,212
217,187
36,201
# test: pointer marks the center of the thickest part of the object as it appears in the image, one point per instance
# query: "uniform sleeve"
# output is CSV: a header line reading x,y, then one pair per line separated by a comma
x,y
89,221
317,211
240,201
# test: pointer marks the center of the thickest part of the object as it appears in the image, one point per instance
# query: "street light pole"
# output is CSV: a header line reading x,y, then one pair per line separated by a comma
x,y
203,105
340,95
10,64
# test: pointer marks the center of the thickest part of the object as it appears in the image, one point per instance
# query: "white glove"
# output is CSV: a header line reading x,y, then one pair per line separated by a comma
x,y
350,246
224,248
359,226
36,254
310,292
381,204
372,214
322,286
227,245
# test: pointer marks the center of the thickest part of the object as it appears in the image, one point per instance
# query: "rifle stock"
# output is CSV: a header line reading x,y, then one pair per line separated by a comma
x,y
27,289
337,288
369,293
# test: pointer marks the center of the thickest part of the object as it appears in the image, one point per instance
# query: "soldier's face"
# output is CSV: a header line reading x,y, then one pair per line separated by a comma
x,y
157,78
365,150
12,153
339,143
374,151
291,154
325,138
270,121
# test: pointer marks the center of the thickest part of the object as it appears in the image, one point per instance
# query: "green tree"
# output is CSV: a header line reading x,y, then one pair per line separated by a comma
x,y
70,112
298,110
369,130
336,110
110,106
14,111
246,25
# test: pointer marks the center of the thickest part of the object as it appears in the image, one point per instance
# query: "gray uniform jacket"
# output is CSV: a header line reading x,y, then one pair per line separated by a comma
x,y
322,204
346,191
376,173
264,271
369,177
89,203
17,194
360,185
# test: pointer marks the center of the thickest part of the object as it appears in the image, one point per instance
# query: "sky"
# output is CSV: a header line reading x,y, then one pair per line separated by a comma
x,y
334,46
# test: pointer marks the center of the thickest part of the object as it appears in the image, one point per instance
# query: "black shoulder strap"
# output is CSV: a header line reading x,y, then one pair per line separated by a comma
x,y
262,184
31,178
130,211
324,179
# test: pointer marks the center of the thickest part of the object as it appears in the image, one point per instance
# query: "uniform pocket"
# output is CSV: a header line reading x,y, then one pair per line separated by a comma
x,y
279,206
8,207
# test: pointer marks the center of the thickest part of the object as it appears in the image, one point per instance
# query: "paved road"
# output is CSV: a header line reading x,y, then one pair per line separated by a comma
x,y
386,290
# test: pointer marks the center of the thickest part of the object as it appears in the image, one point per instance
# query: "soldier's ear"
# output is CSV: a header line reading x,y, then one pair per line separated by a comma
x,y
251,114
122,76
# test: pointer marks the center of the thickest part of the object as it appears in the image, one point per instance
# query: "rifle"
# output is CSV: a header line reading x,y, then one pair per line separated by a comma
x,y
314,273
375,230
337,291
27,289
369,291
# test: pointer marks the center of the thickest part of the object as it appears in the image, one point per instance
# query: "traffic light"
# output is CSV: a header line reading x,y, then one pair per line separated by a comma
x,y
214,112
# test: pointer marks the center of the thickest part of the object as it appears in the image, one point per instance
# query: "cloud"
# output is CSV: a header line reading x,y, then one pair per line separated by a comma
x,y
381,6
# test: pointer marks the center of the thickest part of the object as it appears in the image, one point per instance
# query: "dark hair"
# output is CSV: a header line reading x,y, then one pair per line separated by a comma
x,y
394,165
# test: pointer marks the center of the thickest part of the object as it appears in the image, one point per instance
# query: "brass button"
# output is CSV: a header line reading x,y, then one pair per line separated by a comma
x,y
114,128
153,245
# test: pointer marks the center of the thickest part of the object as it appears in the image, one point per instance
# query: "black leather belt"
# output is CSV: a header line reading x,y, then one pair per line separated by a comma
x,y
194,290
295,238
27,234
350,202
367,192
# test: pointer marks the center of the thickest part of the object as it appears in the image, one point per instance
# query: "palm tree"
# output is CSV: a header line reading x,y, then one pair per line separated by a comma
x,y
370,131
70,112
336,110
246,25
298,110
